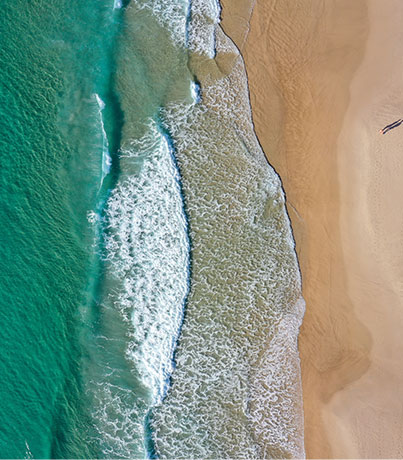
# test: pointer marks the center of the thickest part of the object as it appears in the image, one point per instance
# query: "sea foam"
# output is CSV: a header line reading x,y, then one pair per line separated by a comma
x,y
147,270
106,157
147,247
236,391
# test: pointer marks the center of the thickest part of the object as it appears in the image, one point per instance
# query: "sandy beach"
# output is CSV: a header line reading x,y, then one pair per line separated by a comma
x,y
324,77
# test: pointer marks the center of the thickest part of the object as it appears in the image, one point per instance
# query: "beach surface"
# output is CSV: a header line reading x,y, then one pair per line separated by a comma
x,y
324,77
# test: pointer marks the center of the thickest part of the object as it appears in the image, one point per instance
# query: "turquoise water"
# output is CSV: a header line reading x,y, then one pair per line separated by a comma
x,y
54,57
150,290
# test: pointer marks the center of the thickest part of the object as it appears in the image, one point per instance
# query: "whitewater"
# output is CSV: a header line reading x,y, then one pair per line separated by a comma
x,y
201,292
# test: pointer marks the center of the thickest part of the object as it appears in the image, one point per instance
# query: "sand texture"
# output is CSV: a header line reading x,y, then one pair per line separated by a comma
x,y
324,76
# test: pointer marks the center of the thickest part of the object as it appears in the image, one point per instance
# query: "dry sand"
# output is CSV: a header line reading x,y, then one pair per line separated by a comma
x,y
324,76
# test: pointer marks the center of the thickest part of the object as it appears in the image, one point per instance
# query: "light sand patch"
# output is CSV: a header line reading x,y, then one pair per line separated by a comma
x,y
367,417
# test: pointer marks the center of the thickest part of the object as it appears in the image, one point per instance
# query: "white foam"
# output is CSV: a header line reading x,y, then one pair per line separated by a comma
x,y
28,453
119,421
147,248
100,102
106,157
146,261
195,92
199,34
117,4
202,28
172,15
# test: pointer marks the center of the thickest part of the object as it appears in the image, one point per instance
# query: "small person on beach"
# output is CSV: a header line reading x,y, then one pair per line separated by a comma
x,y
395,124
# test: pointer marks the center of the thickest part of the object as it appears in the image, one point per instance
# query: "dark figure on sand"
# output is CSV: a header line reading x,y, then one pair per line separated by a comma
x,y
395,124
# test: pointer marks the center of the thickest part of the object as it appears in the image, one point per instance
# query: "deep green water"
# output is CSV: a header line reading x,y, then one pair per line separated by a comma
x,y
54,56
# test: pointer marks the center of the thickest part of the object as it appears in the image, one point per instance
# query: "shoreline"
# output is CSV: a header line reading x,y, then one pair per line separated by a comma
x,y
222,321
310,90
286,79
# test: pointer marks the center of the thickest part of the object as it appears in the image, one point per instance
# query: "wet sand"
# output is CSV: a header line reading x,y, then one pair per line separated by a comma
x,y
324,77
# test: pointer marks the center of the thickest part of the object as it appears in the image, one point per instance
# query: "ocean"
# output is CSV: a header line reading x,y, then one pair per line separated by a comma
x,y
151,296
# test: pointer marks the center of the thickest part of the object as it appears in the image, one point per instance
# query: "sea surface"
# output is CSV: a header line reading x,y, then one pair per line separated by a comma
x,y
150,292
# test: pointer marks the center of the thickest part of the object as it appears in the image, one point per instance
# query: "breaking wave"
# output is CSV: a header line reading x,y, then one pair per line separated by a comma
x,y
235,391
